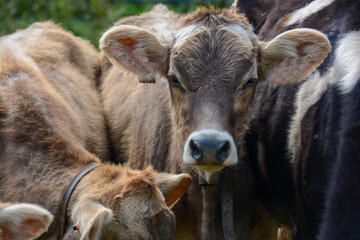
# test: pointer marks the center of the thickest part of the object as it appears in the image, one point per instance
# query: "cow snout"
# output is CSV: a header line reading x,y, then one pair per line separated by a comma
x,y
205,149
210,147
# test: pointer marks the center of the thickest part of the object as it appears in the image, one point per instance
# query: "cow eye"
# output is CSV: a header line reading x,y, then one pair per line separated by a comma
x,y
174,81
248,84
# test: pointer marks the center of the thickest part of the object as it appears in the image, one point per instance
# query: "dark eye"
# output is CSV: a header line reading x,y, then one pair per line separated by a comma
x,y
248,84
174,81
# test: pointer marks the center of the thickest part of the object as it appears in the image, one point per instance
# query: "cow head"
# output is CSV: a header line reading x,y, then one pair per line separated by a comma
x,y
213,66
118,203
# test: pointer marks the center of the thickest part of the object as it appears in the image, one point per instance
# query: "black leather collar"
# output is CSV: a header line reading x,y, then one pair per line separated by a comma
x,y
227,212
66,197
227,215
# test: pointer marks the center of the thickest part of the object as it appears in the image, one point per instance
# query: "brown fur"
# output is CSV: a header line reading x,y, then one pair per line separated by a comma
x,y
213,55
133,197
52,125
205,16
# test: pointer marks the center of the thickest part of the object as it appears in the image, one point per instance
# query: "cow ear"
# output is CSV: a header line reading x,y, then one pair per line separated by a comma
x,y
91,219
24,221
173,186
293,55
137,51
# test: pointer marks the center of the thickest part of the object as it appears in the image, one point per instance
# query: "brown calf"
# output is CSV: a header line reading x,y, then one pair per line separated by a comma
x,y
51,126
195,116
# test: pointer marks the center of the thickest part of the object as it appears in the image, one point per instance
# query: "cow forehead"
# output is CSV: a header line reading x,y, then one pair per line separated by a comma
x,y
244,33
224,52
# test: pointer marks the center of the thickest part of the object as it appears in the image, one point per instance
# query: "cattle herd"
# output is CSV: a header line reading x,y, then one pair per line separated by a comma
x,y
239,123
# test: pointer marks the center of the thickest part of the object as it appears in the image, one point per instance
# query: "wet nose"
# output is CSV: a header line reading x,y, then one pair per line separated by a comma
x,y
210,147
209,151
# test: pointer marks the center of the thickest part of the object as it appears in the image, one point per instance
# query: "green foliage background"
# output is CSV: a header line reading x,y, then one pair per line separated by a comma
x,y
86,18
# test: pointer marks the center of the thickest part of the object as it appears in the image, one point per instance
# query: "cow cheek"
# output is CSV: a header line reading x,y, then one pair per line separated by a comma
x,y
181,113
114,231
241,115
243,102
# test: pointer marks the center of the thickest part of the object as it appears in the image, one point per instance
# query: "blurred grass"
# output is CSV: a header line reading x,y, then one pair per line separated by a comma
x,y
86,18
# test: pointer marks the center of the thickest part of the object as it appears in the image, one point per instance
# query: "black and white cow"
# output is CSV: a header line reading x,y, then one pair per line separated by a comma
x,y
303,143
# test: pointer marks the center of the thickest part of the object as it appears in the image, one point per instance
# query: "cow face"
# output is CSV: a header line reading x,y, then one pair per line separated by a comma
x,y
213,66
118,203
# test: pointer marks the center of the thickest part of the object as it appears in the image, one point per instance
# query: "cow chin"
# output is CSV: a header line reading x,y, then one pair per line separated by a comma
x,y
210,168
210,150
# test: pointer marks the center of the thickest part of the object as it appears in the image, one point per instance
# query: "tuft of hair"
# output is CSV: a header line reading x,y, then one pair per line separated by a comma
x,y
211,17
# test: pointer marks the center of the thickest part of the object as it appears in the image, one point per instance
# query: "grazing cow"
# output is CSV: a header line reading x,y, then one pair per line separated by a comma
x,y
23,221
52,126
296,142
193,120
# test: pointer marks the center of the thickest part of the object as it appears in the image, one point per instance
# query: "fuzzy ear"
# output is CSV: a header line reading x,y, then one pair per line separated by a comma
x,y
173,186
135,50
92,218
24,221
293,55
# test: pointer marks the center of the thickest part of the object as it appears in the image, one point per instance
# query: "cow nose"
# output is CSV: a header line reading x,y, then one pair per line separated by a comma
x,y
209,148
212,151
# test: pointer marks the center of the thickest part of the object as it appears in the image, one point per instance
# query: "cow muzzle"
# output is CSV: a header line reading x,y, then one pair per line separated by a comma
x,y
210,148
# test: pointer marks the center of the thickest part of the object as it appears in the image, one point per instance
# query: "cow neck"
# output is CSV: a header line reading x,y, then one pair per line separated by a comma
x,y
203,183
66,197
227,213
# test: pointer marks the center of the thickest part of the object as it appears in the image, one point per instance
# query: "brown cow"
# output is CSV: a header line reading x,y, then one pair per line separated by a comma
x,y
51,126
23,221
194,118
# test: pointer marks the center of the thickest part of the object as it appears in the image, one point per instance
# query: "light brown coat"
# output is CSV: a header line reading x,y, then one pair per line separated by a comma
x,y
52,125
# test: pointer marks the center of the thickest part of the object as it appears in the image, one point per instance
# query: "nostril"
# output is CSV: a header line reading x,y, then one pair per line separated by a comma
x,y
195,150
223,152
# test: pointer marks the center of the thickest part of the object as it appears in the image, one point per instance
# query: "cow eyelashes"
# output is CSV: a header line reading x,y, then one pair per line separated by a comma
x,y
248,84
174,81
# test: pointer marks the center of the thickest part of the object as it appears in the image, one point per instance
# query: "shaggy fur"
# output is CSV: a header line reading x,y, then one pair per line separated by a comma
x,y
295,186
52,125
340,217
204,16
207,67
301,14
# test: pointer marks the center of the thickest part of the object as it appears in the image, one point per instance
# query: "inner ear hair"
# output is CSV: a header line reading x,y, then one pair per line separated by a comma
x,y
136,51
293,55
